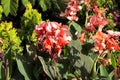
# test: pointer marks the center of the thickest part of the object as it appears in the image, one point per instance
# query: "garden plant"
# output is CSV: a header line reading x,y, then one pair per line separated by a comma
x,y
59,40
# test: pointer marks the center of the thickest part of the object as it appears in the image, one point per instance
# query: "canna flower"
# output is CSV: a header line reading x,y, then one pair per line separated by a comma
x,y
98,12
113,33
99,47
52,36
98,20
99,43
82,38
100,36
72,8
105,42
112,45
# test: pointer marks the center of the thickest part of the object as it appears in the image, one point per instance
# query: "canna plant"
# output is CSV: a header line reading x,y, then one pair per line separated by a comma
x,y
59,40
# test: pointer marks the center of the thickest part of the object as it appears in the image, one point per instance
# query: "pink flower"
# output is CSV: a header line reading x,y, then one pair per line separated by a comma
x,y
98,20
72,8
113,33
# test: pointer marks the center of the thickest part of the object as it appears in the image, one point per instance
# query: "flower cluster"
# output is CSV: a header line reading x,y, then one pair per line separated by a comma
x,y
104,42
52,36
72,8
98,20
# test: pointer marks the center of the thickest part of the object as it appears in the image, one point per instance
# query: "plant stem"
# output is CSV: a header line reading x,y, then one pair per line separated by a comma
x,y
94,72
54,67
86,21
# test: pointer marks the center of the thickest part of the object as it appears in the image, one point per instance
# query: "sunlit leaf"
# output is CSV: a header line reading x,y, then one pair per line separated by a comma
x,y
111,75
10,6
103,71
113,60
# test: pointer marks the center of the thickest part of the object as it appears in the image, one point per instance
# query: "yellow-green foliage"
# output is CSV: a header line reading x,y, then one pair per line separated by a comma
x,y
30,18
31,15
9,37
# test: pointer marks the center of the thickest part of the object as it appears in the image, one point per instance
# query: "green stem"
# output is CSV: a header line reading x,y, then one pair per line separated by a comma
x,y
54,67
7,73
6,70
94,72
86,21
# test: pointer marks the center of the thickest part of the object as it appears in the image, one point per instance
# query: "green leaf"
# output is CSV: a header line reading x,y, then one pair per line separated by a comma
x,y
103,71
78,59
24,2
111,75
45,4
0,70
113,60
76,26
1,11
24,67
10,6
47,68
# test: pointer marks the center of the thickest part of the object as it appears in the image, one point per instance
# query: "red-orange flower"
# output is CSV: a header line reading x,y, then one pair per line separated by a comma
x,y
53,36
100,36
82,38
99,43
112,45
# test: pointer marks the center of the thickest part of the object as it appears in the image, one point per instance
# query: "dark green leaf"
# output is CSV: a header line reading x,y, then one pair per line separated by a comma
x,y
78,58
24,67
77,27
47,68
45,4
0,70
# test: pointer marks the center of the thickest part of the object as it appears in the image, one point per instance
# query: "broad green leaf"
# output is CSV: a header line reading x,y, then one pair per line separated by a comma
x,y
111,75
10,6
105,74
78,55
46,67
45,4
76,26
24,67
78,59
103,71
